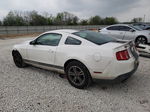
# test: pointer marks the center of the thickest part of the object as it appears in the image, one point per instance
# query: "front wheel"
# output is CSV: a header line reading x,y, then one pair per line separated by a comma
x,y
141,40
18,59
78,75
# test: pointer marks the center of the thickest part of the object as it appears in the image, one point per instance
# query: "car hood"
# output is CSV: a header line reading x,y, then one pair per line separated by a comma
x,y
25,42
21,44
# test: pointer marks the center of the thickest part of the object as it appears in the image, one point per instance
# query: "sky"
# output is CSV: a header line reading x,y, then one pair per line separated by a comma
x,y
123,10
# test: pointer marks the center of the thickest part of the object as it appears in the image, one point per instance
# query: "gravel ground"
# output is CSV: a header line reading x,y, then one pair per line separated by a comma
x,y
36,90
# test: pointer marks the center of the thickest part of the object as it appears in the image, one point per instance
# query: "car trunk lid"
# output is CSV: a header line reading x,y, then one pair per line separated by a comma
x,y
121,46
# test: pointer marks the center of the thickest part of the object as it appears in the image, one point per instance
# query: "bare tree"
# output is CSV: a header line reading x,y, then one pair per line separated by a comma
x,y
137,20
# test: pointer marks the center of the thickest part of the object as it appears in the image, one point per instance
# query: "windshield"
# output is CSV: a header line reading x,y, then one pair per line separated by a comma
x,y
94,37
136,27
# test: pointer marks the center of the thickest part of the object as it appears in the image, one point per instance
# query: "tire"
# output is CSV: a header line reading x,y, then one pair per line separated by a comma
x,y
141,40
78,75
18,59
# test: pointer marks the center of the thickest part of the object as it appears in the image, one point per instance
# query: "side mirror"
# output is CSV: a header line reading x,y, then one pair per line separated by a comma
x,y
32,42
132,30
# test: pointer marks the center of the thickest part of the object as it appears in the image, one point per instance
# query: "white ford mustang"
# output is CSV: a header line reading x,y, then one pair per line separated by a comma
x,y
81,55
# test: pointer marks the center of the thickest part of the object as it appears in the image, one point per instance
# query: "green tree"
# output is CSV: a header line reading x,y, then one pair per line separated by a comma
x,y
84,22
75,20
110,20
65,18
96,20
16,18
59,19
36,19
13,19
50,21
70,19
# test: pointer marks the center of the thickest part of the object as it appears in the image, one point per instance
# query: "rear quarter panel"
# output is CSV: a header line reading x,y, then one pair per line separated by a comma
x,y
94,58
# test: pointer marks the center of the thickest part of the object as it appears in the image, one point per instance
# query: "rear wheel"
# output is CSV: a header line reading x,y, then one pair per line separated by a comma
x,y
18,59
78,75
141,40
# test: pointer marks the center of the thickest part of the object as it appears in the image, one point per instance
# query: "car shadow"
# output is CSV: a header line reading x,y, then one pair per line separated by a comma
x,y
133,82
97,85
106,84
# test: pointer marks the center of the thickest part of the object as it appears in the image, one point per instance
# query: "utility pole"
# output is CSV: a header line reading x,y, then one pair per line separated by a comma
x,y
144,18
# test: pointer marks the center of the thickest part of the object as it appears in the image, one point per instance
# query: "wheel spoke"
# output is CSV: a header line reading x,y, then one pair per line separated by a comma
x,y
74,69
80,80
75,80
72,73
81,73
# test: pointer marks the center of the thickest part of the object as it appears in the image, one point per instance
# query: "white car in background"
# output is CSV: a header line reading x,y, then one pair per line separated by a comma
x,y
127,32
81,55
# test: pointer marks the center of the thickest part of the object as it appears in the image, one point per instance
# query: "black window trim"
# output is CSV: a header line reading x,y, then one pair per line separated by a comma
x,y
46,34
73,38
118,26
113,26
125,26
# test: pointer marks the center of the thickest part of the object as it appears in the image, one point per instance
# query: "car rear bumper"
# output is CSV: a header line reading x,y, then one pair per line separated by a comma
x,y
115,70
121,77
126,75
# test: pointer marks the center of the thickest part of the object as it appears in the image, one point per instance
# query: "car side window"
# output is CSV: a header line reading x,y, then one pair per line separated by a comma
x,y
125,28
51,39
72,41
113,28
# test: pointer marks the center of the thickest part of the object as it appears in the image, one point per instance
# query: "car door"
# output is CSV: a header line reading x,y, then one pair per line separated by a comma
x,y
115,32
43,48
129,32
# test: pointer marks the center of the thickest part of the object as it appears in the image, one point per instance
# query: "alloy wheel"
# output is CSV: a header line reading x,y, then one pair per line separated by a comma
x,y
76,75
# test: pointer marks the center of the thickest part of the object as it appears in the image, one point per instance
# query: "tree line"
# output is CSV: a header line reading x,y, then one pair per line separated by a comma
x,y
33,18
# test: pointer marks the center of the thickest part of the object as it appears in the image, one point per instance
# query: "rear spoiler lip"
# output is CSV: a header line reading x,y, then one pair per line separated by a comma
x,y
123,41
126,43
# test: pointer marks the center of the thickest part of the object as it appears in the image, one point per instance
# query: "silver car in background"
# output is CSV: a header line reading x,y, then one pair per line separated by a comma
x,y
143,26
127,32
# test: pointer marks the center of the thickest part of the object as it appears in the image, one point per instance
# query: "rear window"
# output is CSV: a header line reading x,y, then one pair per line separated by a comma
x,y
94,37
72,41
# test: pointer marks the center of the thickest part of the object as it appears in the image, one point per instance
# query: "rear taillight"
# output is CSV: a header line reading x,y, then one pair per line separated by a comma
x,y
122,55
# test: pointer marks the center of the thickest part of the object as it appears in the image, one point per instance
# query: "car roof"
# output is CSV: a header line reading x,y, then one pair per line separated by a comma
x,y
120,25
64,30
116,25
